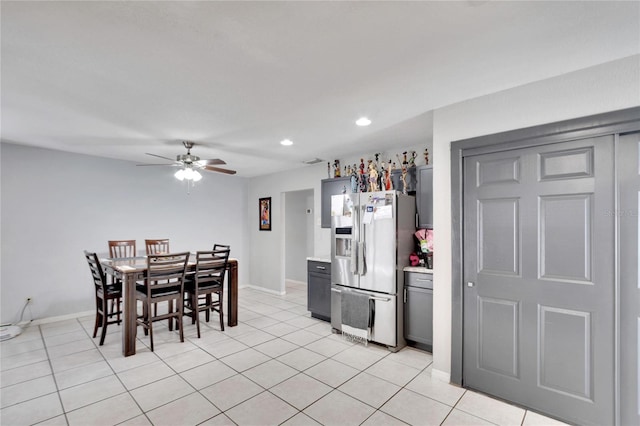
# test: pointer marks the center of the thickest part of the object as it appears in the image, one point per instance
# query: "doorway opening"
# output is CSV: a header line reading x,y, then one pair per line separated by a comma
x,y
298,238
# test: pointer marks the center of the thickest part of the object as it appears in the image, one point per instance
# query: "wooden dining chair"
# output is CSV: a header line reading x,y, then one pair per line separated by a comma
x,y
164,282
122,248
103,293
157,246
208,280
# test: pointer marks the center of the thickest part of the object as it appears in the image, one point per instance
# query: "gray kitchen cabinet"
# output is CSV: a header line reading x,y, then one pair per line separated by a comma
x,y
328,188
319,289
396,178
424,196
418,310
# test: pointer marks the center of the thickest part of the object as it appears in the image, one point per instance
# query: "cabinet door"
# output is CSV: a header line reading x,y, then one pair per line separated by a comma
x,y
328,188
319,295
418,315
396,179
424,196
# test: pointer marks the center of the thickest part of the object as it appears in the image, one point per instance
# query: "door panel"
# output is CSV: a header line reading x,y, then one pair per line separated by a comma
x,y
498,236
565,237
539,257
498,336
565,334
629,181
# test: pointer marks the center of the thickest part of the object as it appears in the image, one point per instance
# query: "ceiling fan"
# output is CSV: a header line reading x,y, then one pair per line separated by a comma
x,y
190,164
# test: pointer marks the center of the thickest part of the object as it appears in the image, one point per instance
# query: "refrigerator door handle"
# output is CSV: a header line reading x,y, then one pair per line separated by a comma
x,y
362,268
354,257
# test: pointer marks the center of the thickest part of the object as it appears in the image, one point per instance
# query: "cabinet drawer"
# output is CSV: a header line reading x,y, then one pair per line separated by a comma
x,y
417,279
319,267
418,316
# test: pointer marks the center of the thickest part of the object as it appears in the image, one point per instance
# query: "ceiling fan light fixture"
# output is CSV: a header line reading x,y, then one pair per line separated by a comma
x,y
363,121
196,176
180,175
188,173
286,142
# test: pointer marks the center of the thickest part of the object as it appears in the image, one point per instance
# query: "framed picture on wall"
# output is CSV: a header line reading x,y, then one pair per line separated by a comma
x,y
265,214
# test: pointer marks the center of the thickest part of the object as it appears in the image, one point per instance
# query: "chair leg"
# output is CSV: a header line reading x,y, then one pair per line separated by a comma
x,y
105,320
195,309
195,314
220,311
145,317
208,302
98,320
118,303
180,309
170,310
150,330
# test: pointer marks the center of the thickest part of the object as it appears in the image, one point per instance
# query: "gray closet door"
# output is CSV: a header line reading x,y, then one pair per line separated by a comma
x,y
539,278
629,183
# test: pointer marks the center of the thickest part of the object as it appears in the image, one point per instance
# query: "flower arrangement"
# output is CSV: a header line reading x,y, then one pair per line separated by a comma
x,y
425,237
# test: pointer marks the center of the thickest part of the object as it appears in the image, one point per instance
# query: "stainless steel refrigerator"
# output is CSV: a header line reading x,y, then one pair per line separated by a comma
x,y
371,240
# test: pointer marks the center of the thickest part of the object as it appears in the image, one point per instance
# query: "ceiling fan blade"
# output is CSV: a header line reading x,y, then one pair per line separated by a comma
x,y
160,156
218,169
212,162
169,165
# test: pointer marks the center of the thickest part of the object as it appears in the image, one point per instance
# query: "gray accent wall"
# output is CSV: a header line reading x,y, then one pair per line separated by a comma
x,y
57,204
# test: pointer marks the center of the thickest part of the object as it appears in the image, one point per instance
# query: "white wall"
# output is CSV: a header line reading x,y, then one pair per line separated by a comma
x,y
267,250
607,87
56,204
267,247
297,233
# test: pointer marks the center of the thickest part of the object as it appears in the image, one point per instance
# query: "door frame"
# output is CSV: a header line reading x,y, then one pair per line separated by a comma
x,y
616,122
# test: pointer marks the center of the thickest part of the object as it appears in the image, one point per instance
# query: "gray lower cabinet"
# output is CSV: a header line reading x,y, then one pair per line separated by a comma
x,y
424,196
328,188
319,289
418,310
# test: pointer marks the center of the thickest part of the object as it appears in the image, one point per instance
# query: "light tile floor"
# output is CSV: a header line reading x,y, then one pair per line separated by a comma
x,y
278,366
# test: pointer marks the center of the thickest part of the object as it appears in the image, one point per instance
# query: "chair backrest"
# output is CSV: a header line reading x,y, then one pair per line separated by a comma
x,y
122,248
166,271
157,246
99,278
221,247
211,267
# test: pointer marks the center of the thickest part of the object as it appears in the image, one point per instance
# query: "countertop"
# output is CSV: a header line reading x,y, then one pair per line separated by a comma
x,y
325,259
418,269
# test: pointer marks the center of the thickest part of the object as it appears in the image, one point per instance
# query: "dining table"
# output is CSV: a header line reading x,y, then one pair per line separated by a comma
x,y
133,269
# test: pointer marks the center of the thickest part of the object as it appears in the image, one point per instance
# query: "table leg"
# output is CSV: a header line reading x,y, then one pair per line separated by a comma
x,y
232,295
130,314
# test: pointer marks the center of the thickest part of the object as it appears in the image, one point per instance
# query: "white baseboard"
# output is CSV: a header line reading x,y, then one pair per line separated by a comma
x,y
48,320
441,375
266,290
295,282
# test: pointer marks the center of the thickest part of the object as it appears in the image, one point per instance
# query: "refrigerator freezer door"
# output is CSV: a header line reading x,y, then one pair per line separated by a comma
x,y
378,238
385,308
344,245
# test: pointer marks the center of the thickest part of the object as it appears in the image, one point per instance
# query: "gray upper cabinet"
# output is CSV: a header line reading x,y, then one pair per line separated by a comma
x,y
329,187
396,178
424,196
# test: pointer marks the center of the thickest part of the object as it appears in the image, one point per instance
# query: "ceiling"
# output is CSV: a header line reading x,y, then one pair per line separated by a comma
x,y
119,79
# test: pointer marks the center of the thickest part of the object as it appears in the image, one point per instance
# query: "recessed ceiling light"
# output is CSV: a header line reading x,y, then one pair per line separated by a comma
x,y
363,121
286,142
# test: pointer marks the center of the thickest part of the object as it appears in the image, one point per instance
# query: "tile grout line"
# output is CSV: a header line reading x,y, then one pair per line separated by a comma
x,y
53,376
359,370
